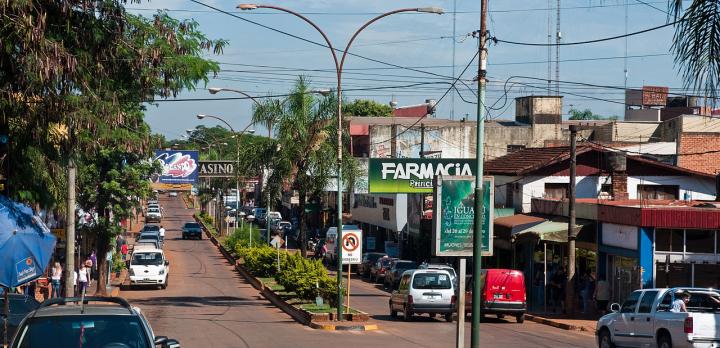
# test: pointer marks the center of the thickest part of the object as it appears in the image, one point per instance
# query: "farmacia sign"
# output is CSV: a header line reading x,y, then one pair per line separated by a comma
x,y
414,175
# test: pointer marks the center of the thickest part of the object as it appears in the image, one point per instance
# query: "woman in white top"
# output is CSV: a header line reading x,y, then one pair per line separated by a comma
x,y
83,278
55,280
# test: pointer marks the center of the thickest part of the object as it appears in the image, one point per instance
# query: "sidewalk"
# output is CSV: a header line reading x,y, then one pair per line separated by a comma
x,y
578,322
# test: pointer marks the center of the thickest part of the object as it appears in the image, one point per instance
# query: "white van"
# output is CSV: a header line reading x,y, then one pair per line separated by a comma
x,y
428,291
149,267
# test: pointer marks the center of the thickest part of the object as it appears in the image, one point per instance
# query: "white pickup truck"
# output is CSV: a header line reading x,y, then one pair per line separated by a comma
x,y
645,320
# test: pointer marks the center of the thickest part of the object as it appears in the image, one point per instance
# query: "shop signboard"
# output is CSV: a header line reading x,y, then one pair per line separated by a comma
x,y
216,169
454,215
414,175
178,167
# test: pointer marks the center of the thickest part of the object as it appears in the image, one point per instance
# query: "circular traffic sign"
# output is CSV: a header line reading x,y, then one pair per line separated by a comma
x,y
350,242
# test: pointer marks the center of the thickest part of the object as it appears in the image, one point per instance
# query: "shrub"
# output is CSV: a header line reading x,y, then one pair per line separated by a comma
x,y
262,261
307,278
240,238
117,263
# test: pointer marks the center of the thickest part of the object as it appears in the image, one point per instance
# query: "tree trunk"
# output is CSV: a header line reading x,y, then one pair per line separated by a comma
x,y
303,230
103,244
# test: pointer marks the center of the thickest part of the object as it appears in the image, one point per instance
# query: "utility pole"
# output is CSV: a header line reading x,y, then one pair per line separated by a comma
x,y
70,233
570,285
479,208
422,140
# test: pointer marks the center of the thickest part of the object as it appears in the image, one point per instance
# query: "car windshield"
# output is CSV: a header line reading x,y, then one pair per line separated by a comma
x,y
153,210
192,225
153,237
147,259
431,281
374,257
151,228
405,265
83,331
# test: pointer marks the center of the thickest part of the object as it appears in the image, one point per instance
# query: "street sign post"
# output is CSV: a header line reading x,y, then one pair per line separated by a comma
x,y
277,242
351,244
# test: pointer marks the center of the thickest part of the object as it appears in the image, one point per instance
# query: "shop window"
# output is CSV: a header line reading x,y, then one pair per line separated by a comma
x,y
556,190
672,275
707,275
669,192
669,240
700,241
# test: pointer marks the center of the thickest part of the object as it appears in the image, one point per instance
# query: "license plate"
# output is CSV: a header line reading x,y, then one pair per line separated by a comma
x,y
497,296
146,279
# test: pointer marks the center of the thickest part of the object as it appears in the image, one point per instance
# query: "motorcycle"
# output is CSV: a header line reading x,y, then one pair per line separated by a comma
x,y
311,244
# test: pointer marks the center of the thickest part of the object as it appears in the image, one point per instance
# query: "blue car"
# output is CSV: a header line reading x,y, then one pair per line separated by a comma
x,y
192,230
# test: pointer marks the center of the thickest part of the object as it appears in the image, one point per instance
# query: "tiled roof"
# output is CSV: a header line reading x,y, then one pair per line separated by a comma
x,y
523,161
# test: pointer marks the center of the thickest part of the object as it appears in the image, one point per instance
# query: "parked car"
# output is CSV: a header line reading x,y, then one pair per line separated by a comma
x,y
284,228
20,305
424,291
62,322
397,268
380,268
150,237
150,228
153,215
502,293
368,259
191,230
146,244
646,319
149,267
446,267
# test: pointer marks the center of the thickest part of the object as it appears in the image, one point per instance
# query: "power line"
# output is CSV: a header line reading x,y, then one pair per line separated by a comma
x,y
496,40
652,6
313,42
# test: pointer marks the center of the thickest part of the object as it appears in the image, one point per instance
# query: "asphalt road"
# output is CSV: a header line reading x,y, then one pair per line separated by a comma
x,y
207,304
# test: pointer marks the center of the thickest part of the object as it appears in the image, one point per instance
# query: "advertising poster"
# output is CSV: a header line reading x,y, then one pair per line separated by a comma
x,y
454,211
414,175
178,167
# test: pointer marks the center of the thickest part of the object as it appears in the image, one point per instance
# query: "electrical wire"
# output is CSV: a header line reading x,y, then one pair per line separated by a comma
x,y
496,40
313,42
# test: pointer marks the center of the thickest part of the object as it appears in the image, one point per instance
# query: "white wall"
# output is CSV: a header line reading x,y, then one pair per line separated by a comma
x,y
370,210
589,187
697,188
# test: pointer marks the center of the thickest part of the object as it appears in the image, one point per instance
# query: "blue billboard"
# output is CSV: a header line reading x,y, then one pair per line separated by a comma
x,y
178,166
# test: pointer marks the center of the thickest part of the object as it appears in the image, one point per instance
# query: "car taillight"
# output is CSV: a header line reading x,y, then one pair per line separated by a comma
x,y
410,299
688,325
453,300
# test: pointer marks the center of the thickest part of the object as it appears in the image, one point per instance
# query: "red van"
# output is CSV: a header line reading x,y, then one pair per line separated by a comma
x,y
503,292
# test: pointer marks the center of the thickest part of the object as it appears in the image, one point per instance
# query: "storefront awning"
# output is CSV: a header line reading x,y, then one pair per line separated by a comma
x,y
505,226
552,231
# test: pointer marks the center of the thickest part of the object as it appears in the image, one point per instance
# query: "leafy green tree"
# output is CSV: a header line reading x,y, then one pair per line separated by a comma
x,y
305,129
366,107
697,45
587,114
74,75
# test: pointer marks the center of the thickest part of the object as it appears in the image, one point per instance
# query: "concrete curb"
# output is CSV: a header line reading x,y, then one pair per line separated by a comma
x,y
553,323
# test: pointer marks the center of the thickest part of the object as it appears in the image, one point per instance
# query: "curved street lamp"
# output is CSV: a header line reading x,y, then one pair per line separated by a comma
x,y
338,69
237,158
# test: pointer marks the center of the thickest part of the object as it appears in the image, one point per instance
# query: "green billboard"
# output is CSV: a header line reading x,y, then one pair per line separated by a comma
x,y
414,175
454,216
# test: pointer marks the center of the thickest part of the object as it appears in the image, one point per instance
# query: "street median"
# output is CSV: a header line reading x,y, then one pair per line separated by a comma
x,y
294,302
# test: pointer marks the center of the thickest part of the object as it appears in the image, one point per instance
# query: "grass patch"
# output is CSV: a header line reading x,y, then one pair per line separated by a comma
x,y
325,308
274,286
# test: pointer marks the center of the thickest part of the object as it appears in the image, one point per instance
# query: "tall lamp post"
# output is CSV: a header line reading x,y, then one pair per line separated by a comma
x,y
237,158
338,70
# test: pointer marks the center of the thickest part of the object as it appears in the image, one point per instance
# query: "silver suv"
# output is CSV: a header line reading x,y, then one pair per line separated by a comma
x,y
88,322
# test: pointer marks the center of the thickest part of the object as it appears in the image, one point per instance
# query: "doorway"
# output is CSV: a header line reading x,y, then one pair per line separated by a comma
x,y
625,276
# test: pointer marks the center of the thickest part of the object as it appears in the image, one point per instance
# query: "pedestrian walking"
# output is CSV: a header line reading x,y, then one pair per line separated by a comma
x,y
55,276
587,287
162,233
84,277
602,295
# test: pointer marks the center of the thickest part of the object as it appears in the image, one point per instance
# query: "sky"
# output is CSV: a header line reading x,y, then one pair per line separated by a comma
x,y
262,62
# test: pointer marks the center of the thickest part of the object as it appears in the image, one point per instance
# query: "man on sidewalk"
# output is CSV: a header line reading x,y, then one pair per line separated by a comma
x,y
162,233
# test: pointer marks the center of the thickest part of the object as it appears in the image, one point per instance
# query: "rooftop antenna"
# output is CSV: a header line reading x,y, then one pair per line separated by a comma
x,y
549,45
558,37
452,96
625,60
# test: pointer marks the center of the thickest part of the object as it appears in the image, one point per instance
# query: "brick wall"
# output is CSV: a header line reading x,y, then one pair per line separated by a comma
x,y
619,185
696,143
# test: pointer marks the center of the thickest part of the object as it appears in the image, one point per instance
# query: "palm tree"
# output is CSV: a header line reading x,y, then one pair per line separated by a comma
x,y
697,45
306,158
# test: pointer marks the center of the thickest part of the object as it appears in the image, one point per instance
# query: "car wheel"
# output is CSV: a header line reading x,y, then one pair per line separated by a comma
x,y
664,341
407,313
449,317
604,340
520,318
200,237
183,237
393,313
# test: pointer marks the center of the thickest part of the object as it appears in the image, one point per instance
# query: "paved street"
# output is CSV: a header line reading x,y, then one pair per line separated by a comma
x,y
208,305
